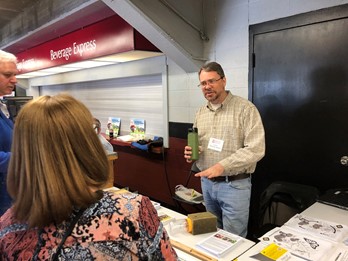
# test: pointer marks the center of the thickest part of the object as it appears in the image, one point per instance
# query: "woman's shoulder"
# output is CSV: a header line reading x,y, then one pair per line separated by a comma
x,y
8,220
121,196
117,202
113,211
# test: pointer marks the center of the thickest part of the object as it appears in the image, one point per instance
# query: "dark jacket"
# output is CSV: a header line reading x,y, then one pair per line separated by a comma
x,y
6,129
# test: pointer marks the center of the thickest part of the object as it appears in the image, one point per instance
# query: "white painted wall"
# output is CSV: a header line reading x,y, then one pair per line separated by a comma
x,y
136,89
228,29
228,24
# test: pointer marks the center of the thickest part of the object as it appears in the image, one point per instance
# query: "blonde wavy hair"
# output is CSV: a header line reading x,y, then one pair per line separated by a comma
x,y
57,162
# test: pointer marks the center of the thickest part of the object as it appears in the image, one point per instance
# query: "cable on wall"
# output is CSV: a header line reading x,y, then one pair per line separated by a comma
x,y
202,34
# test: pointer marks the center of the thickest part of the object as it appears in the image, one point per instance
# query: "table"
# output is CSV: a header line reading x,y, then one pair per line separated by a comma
x,y
327,212
190,240
317,210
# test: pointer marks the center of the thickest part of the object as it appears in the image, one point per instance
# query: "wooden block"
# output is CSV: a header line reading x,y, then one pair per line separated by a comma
x,y
202,222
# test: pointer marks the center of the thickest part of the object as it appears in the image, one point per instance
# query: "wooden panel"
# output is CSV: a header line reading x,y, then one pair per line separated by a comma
x,y
154,175
112,169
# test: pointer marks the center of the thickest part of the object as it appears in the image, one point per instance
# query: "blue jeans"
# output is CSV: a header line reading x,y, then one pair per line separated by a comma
x,y
229,202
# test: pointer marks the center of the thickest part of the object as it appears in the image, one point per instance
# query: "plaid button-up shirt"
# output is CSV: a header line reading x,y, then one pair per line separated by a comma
x,y
238,124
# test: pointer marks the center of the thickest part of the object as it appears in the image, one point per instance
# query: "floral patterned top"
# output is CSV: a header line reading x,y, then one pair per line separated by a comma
x,y
121,226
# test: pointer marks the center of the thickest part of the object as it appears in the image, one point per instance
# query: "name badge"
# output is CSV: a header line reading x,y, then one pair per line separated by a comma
x,y
215,144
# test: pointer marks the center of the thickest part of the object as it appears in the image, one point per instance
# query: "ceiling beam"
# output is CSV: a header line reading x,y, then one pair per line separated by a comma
x,y
174,27
45,20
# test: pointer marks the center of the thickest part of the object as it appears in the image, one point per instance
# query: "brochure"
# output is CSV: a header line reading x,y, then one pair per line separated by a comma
x,y
302,245
137,128
220,243
318,227
165,218
114,123
273,252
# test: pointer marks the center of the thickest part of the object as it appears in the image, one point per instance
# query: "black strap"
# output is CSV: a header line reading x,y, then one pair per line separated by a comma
x,y
67,233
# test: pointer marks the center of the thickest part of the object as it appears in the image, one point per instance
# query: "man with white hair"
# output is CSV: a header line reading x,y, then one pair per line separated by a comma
x,y
8,72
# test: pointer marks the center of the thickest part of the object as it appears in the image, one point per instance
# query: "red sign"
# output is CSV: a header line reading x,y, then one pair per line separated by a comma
x,y
110,36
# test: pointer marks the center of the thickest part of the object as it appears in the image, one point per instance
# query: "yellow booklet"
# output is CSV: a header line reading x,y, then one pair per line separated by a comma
x,y
273,252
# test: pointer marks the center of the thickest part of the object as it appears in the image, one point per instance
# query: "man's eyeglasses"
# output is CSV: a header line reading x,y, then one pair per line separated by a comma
x,y
210,82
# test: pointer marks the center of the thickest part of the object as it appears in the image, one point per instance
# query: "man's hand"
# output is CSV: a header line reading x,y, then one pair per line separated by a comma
x,y
212,172
188,153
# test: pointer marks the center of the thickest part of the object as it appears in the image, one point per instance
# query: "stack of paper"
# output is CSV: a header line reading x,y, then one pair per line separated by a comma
x,y
311,239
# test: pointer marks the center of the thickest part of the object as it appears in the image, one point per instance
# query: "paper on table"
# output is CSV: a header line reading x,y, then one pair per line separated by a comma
x,y
126,138
272,252
220,243
318,227
303,245
341,254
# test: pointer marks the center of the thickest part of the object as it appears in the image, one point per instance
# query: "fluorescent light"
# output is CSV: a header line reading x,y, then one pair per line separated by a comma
x,y
58,69
86,64
33,74
128,56
102,61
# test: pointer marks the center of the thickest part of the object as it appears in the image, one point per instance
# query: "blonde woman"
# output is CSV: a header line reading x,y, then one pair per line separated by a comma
x,y
57,168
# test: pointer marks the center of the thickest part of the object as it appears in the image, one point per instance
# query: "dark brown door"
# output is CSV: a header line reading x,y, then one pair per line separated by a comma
x,y
299,82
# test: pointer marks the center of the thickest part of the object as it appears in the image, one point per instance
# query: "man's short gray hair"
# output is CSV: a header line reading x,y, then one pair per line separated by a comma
x,y
7,57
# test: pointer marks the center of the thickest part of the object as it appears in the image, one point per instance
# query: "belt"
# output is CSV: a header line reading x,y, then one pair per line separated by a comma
x,y
231,178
